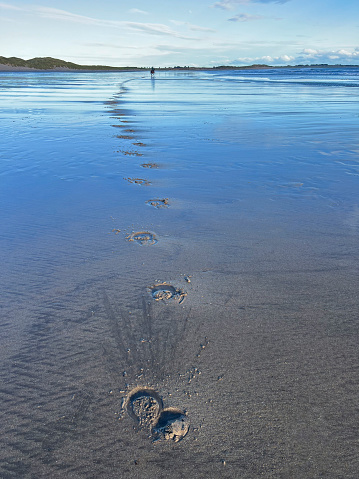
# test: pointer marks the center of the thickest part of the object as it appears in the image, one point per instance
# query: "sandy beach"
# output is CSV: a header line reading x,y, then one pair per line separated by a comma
x,y
180,275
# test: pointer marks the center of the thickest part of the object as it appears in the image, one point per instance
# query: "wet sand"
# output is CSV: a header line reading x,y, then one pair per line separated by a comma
x,y
200,323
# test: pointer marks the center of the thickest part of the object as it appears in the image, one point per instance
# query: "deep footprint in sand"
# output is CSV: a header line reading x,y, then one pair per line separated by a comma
x,y
144,406
143,238
138,181
172,425
149,165
167,292
159,202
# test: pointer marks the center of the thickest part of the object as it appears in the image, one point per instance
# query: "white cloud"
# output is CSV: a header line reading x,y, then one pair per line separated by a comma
x,y
56,14
231,4
267,59
112,45
286,58
198,47
6,6
309,55
136,10
190,26
245,17
63,15
197,28
257,43
309,51
155,29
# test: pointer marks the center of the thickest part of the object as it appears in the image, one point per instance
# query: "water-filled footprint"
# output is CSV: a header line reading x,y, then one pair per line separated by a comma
x,y
149,165
138,181
143,238
167,292
159,202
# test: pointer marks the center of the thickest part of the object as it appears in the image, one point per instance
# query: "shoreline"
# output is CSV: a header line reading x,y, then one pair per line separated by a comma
x,y
11,68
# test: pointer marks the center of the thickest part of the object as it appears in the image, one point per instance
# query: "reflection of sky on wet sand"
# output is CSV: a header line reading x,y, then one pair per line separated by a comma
x,y
259,173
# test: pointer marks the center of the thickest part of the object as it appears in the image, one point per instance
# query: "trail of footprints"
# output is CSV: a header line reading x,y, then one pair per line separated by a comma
x,y
144,405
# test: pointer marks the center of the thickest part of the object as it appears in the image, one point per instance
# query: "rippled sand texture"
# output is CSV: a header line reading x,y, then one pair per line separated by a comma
x,y
179,274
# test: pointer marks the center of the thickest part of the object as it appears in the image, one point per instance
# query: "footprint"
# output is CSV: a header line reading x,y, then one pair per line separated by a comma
x,y
166,292
138,181
144,406
172,425
159,203
129,153
149,165
143,238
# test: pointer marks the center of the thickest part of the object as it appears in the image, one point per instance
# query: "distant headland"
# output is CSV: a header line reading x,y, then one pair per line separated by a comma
x,y
54,64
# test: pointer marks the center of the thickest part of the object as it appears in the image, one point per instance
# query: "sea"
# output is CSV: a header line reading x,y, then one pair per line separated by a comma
x,y
179,273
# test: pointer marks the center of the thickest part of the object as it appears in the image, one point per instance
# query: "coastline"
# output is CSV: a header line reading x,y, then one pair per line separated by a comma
x,y
11,68
5,67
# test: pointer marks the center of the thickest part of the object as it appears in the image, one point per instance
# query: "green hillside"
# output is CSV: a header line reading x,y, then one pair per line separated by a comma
x,y
48,63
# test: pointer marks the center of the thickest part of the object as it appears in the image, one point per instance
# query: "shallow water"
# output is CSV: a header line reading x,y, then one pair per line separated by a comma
x,y
254,249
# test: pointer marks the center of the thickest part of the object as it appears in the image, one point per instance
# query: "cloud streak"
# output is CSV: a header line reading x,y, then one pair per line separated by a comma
x,y
155,29
113,45
63,15
6,6
231,4
244,17
136,10
194,28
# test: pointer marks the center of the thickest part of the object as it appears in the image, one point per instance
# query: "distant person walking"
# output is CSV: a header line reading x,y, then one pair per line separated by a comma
x,y
152,71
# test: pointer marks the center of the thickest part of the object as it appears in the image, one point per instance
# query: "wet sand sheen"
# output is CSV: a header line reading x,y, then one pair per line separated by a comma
x,y
218,335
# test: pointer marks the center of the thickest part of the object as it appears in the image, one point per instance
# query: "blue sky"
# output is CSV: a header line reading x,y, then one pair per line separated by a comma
x,y
182,32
